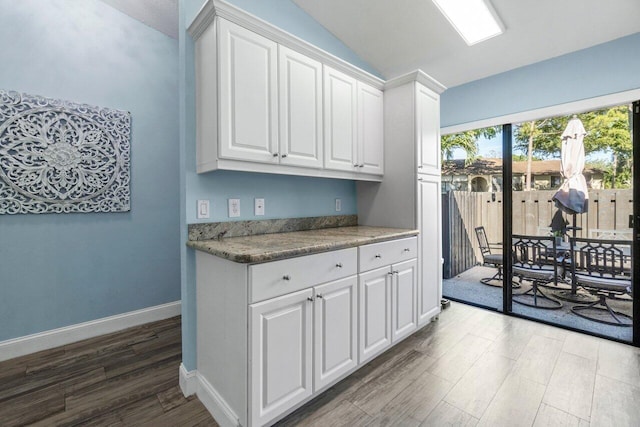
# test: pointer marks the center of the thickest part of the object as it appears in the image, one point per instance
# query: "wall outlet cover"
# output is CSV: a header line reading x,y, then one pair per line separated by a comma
x,y
202,209
234,208
259,207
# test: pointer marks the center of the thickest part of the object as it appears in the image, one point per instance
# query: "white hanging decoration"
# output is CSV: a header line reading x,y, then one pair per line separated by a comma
x,y
61,157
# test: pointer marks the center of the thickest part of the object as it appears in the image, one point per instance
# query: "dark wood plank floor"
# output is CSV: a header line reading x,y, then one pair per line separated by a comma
x,y
121,379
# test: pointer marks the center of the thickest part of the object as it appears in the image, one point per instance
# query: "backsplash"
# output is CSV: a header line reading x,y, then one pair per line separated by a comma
x,y
218,230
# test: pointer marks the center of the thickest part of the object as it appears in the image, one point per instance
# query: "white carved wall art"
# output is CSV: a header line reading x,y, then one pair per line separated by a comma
x,y
60,157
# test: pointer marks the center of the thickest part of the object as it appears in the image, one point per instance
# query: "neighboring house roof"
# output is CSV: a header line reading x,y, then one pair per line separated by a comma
x,y
494,166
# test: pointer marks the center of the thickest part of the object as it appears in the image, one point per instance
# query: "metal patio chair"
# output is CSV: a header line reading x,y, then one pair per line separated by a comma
x,y
603,267
535,259
488,258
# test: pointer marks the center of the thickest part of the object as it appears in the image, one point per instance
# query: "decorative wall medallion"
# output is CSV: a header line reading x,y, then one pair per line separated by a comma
x,y
59,157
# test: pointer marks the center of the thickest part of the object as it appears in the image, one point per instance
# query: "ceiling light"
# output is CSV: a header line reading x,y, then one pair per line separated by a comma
x,y
474,20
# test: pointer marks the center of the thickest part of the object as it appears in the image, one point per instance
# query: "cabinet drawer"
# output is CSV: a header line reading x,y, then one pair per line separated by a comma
x,y
276,278
385,253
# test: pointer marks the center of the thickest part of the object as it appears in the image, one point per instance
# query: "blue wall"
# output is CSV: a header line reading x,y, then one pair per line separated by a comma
x,y
62,269
600,70
285,196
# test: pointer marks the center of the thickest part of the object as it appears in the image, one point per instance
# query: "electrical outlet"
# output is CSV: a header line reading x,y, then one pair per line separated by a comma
x,y
338,205
259,207
202,209
234,208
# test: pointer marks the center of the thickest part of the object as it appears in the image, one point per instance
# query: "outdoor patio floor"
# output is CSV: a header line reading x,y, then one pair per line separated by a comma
x,y
466,287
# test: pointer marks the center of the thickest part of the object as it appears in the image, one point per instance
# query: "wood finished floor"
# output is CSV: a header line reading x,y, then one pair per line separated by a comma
x,y
472,367
121,379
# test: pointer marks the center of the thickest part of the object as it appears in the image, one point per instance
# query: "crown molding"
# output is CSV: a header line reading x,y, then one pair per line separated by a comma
x,y
218,8
416,76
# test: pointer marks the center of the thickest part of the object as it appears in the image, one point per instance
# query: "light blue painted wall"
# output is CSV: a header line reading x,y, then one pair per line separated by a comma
x,y
285,196
600,70
62,269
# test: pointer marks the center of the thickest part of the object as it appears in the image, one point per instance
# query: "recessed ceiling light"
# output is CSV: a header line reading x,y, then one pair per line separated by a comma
x,y
474,20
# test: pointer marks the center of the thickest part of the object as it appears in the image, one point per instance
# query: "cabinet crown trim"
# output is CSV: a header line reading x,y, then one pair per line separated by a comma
x,y
416,76
222,9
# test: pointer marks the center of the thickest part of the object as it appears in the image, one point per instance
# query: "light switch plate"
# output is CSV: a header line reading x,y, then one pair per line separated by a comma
x,y
259,207
338,205
234,208
202,209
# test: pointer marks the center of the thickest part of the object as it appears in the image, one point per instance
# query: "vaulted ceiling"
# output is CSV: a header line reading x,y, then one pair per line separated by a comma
x,y
398,36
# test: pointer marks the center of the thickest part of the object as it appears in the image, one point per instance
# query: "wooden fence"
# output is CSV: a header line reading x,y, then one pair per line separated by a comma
x,y
532,210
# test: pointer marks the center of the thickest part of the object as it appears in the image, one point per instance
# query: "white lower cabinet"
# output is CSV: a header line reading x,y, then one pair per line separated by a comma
x,y
387,307
281,354
273,335
335,330
375,312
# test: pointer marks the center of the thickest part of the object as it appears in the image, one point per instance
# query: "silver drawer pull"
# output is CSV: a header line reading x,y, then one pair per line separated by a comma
x,y
355,165
390,273
378,256
319,296
339,265
286,277
407,250
275,154
396,272
283,156
309,299
361,166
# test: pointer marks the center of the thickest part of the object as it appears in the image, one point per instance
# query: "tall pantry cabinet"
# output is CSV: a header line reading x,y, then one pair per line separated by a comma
x,y
409,195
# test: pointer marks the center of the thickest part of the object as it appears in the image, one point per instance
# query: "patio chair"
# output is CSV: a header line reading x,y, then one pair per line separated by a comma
x,y
603,267
488,258
535,259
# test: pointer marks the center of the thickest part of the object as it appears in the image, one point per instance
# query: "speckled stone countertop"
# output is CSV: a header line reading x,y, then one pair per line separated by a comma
x,y
272,247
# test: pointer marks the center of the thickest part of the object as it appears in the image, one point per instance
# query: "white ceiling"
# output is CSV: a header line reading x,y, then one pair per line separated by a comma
x,y
399,36
159,14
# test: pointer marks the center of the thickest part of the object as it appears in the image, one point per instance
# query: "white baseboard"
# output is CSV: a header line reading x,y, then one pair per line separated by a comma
x,y
210,398
56,337
188,381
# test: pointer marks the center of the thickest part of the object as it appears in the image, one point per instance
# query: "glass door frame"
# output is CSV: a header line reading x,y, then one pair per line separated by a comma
x,y
507,228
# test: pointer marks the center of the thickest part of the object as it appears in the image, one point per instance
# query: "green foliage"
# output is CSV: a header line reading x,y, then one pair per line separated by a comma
x,y
467,141
608,131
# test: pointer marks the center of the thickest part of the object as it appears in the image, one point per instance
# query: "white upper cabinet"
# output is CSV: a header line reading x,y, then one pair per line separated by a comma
x,y
269,102
340,115
248,95
370,129
300,97
353,124
428,130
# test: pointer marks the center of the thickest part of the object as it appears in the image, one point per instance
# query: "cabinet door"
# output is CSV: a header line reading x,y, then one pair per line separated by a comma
x,y
340,117
248,95
375,312
403,296
281,345
335,330
428,130
370,129
430,278
300,109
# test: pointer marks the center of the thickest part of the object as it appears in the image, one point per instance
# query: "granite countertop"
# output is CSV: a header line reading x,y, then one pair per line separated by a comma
x,y
276,246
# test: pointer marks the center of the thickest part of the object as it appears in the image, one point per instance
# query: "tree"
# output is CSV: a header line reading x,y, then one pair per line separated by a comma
x,y
467,141
607,131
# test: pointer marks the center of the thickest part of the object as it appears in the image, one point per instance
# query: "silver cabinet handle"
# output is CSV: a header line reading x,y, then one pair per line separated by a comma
x,y
286,277
407,250
319,296
419,166
396,272
283,156
339,265
361,166
419,179
275,154
390,273
310,299
355,165
378,256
